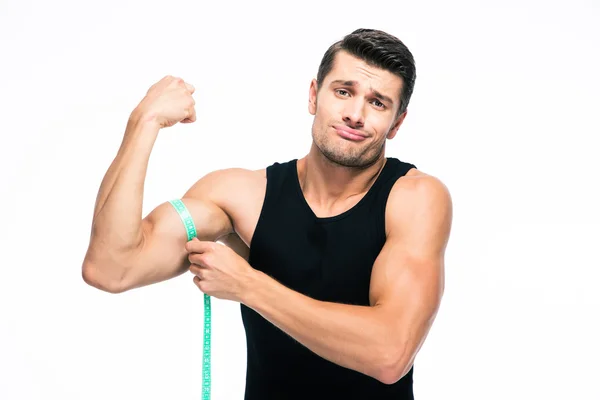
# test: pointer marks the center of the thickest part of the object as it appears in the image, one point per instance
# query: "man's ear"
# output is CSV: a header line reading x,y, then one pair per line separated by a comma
x,y
312,97
396,125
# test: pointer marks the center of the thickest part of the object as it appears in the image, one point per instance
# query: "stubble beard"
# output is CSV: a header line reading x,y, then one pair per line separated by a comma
x,y
353,158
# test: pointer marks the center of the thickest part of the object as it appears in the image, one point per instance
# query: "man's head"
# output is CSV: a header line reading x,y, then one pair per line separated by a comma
x,y
364,83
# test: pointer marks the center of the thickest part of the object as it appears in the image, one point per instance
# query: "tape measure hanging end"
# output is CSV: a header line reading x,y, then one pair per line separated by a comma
x,y
190,228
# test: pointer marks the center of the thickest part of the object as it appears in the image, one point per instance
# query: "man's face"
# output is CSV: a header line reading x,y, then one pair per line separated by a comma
x,y
355,111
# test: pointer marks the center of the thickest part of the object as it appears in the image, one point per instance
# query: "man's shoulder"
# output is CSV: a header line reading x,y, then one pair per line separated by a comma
x,y
223,183
418,193
251,174
237,174
239,192
416,183
238,178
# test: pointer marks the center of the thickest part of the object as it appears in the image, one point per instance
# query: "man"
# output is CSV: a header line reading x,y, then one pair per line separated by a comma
x,y
339,256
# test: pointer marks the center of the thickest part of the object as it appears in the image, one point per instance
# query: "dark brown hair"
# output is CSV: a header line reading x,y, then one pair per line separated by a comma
x,y
379,49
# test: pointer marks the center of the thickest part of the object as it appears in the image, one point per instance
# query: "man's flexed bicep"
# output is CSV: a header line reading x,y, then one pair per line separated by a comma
x,y
162,253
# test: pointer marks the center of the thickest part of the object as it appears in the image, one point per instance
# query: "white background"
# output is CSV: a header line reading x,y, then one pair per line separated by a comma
x,y
505,112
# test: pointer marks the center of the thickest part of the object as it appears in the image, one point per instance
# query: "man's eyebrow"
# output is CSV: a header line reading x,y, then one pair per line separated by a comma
x,y
377,94
343,82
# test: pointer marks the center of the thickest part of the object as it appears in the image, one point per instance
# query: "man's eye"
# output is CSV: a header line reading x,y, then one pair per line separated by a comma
x,y
378,103
342,92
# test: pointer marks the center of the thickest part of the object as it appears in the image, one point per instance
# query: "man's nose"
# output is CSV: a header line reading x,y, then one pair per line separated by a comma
x,y
354,113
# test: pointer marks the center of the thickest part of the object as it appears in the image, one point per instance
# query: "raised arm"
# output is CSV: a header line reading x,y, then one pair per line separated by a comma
x,y
126,251
160,254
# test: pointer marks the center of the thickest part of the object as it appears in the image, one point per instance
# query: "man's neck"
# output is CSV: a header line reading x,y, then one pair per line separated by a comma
x,y
325,183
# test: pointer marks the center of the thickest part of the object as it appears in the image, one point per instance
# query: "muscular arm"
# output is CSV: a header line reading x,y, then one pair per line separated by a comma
x,y
117,263
161,254
126,251
380,340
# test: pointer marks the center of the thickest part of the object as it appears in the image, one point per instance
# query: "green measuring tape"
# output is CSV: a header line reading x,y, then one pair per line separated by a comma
x,y
186,217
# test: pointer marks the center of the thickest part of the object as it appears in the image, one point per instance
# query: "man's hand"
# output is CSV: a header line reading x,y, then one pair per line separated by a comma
x,y
168,102
218,270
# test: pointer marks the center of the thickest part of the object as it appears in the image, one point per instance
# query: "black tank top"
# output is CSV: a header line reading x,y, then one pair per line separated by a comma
x,y
329,259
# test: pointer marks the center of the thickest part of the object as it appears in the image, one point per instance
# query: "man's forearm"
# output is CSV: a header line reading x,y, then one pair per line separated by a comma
x,y
116,224
355,337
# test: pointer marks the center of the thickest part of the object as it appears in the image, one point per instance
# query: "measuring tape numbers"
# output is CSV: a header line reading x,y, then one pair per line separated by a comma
x,y
190,228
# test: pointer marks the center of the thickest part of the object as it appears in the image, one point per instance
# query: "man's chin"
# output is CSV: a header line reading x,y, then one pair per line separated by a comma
x,y
344,160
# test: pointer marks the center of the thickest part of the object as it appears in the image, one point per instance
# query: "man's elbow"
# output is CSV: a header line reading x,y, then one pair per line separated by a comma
x,y
92,276
389,376
393,366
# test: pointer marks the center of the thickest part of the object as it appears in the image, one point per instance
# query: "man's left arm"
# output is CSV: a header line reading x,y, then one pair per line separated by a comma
x,y
407,282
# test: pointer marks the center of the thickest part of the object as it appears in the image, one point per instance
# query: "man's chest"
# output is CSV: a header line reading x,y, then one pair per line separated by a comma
x,y
329,262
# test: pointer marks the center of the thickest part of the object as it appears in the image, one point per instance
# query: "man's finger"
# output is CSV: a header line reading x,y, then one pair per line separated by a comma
x,y
199,259
191,118
197,270
190,88
200,283
198,246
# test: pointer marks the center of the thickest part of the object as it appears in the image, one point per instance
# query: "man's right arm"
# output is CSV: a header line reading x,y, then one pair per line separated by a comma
x,y
126,251
160,253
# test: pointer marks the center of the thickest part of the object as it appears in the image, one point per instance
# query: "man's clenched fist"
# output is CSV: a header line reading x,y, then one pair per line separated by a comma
x,y
168,102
